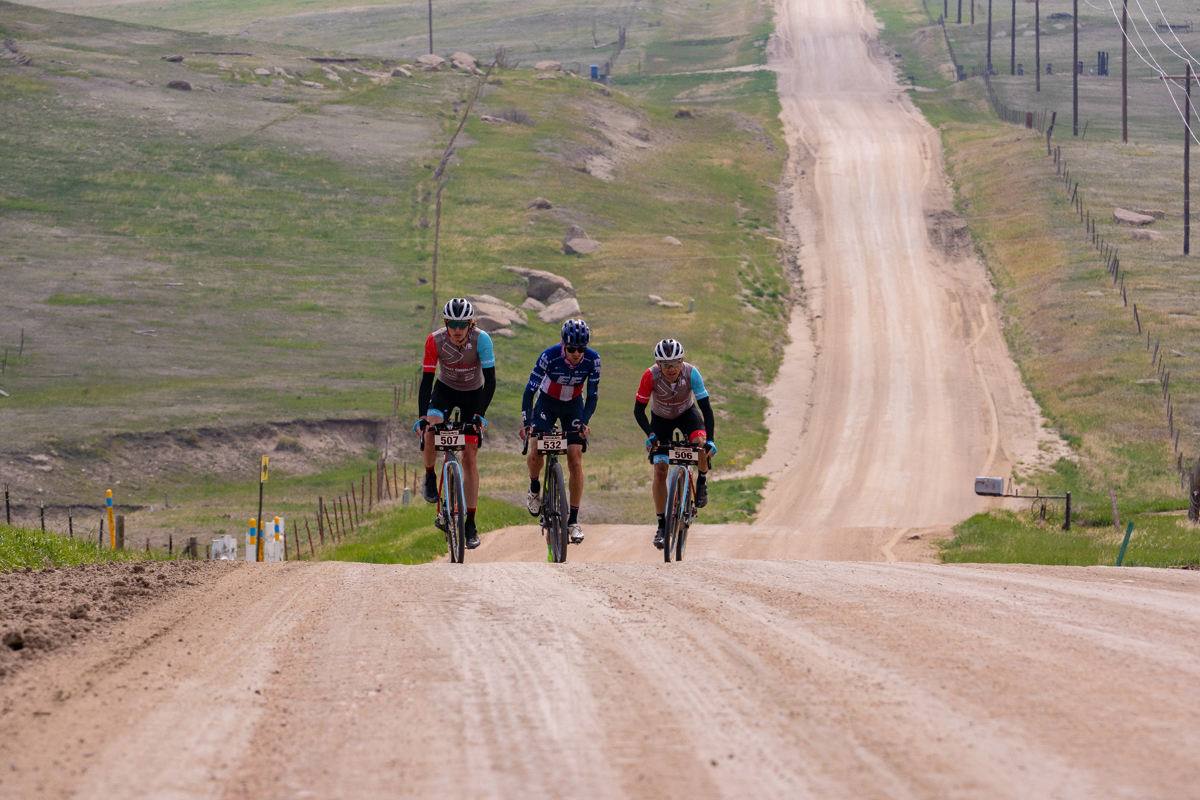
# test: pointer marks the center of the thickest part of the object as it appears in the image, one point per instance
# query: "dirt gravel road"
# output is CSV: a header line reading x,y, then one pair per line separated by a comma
x,y
703,679
723,676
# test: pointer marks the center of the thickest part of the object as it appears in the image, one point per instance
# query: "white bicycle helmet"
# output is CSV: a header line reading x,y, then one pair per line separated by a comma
x,y
458,308
668,350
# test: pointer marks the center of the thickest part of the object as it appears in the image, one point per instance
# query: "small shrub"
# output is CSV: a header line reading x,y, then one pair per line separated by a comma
x,y
518,116
288,444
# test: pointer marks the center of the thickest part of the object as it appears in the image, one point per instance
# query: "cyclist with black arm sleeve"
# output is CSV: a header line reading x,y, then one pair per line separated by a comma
x,y
462,356
559,379
674,389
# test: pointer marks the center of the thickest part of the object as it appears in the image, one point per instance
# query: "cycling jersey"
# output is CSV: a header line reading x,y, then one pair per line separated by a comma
x,y
555,378
461,367
670,400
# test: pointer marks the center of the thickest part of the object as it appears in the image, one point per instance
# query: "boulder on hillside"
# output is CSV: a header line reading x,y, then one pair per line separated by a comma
x,y
653,299
559,295
182,86
1146,236
563,309
533,304
1157,213
401,72
539,203
430,60
670,304
542,284
581,247
1123,216
174,59
262,72
574,232
545,76
548,66
493,314
672,241
463,61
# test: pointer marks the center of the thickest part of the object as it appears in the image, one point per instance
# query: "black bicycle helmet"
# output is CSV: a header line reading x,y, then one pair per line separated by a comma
x,y
576,333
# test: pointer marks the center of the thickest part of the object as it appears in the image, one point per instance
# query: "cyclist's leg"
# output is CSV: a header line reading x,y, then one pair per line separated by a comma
x,y
691,423
663,429
468,403
440,404
575,465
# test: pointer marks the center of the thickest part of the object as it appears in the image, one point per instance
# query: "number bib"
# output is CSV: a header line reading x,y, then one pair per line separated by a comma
x,y
552,444
683,455
450,440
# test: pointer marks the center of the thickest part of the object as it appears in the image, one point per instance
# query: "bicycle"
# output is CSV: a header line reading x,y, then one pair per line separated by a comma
x,y
681,497
449,438
555,510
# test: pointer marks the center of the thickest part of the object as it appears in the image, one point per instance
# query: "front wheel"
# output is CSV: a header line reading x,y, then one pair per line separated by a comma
x,y
558,513
455,511
674,521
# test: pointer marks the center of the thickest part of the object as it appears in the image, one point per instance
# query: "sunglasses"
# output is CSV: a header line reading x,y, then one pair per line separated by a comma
x,y
574,350
671,364
458,324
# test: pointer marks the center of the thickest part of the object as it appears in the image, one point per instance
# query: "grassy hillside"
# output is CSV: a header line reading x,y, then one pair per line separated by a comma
x,y
1074,338
212,258
675,36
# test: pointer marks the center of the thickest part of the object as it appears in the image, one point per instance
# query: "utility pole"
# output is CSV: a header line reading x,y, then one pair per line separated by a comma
x,y
1012,52
945,8
1037,42
430,27
972,12
960,12
989,52
1075,70
1125,72
1187,77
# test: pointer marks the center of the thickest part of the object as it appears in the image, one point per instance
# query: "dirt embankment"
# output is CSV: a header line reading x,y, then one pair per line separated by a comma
x,y
78,471
45,610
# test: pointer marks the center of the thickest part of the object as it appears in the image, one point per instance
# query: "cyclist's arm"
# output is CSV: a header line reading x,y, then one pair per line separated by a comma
x,y
424,393
489,389
527,406
639,413
593,389
707,412
429,366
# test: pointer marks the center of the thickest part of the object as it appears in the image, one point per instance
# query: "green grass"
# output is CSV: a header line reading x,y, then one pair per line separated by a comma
x,y
406,535
733,500
29,547
1008,537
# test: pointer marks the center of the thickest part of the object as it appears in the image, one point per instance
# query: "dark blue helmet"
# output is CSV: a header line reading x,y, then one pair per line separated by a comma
x,y
576,333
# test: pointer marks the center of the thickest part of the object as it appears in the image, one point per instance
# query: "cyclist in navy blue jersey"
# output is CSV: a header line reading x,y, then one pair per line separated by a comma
x,y
563,375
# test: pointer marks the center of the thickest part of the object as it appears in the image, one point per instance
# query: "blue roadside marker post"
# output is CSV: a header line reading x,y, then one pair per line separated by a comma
x,y
1124,544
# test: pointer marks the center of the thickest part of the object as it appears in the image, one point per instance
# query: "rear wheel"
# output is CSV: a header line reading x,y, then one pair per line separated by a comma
x,y
455,511
557,515
676,485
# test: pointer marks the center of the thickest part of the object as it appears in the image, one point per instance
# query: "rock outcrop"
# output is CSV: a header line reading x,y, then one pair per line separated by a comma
x,y
672,241
548,66
493,314
542,285
539,203
430,60
581,247
1146,236
464,61
563,309
1123,216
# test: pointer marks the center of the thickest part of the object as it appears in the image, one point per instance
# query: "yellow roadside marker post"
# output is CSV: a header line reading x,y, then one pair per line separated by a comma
x,y
262,481
112,531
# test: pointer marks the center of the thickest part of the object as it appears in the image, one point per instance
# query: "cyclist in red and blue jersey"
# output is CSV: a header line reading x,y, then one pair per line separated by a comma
x,y
560,379
674,389
462,356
